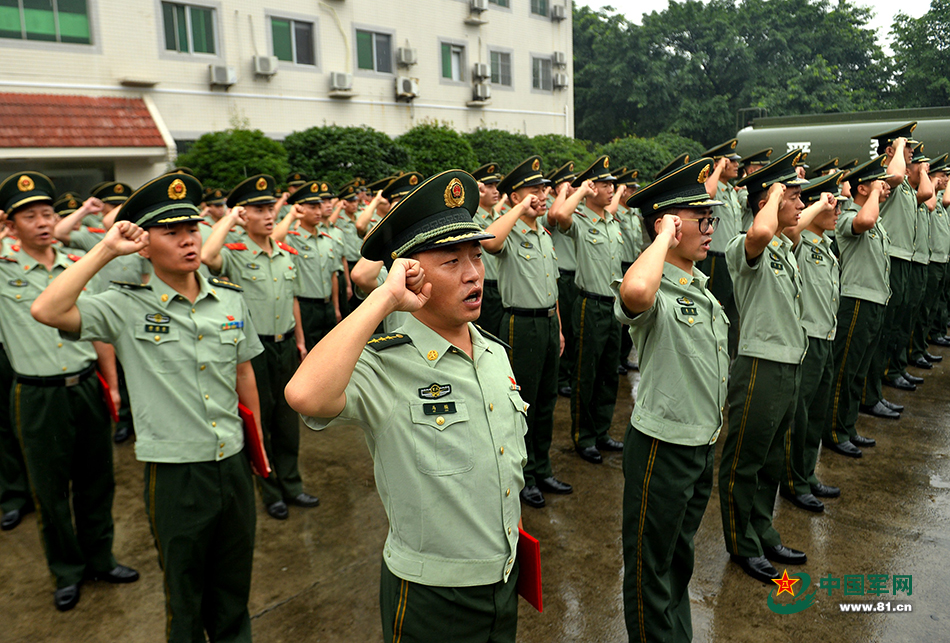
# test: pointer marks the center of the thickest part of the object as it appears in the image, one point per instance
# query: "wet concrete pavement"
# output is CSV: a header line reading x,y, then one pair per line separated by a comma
x,y
316,575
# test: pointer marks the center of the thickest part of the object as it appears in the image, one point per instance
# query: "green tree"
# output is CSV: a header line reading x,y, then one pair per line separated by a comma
x,y
556,149
224,159
507,149
921,52
339,154
436,147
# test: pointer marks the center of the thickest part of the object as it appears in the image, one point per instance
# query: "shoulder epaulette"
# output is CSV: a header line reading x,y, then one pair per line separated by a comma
x,y
546,231
214,281
132,286
97,230
203,222
72,257
293,232
6,258
324,234
286,248
380,342
15,248
235,246
488,335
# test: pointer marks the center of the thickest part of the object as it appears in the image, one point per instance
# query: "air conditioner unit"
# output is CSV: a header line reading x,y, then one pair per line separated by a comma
x,y
265,65
482,92
341,82
559,59
560,81
479,6
406,88
481,70
406,56
558,12
222,75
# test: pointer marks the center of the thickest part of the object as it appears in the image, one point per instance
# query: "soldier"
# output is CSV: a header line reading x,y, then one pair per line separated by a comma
x,y
377,207
562,189
940,240
749,164
112,194
267,271
57,403
443,390
347,202
828,167
192,340
488,177
633,239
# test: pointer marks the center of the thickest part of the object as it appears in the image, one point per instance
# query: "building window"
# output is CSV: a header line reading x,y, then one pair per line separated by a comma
x,y
293,41
541,74
188,29
540,7
453,57
501,3
500,68
49,20
374,51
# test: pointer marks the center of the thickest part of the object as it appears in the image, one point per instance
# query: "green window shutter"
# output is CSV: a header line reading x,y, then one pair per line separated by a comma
x,y
280,30
10,26
73,21
364,50
202,30
181,28
38,16
446,61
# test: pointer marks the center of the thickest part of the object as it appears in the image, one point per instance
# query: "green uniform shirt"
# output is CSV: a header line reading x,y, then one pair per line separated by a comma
x,y
92,220
632,228
899,216
269,284
922,239
820,289
338,245
483,218
865,264
563,245
598,243
746,216
185,356
234,235
447,438
34,348
939,232
527,268
769,298
133,268
730,217
316,262
682,341
351,238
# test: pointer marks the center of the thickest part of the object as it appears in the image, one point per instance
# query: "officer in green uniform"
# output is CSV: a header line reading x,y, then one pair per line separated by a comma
x,y
747,165
820,295
681,333
66,203
527,277
865,290
488,177
633,240
56,403
341,267
377,208
562,189
598,243
939,242
443,419
828,167
765,375
936,232
191,340
267,272
112,194
349,198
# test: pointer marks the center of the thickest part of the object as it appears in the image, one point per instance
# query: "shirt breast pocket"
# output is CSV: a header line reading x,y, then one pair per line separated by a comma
x,y
228,343
528,254
161,348
442,437
691,330
521,420
20,295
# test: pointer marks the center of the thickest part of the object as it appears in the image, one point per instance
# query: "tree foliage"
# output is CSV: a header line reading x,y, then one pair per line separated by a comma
x,y
224,159
337,154
556,150
507,149
436,147
921,48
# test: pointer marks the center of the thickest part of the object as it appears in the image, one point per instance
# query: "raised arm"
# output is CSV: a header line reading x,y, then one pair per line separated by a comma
x,y
335,213
826,203
925,188
279,233
897,168
368,213
565,217
211,248
642,279
615,199
712,183
765,224
64,227
503,224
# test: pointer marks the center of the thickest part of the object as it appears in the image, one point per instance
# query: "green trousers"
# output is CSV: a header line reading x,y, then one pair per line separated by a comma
x,y
535,343
344,300
940,316
626,342
855,346
280,424
811,411
900,275
916,294
317,318
490,316
762,396
125,411
594,385
566,296
202,518
902,321
414,613
14,485
665,492
67,446
928,308
720,285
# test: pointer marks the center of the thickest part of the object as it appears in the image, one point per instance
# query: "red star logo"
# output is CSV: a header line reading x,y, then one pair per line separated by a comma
x,y
230,317
785,583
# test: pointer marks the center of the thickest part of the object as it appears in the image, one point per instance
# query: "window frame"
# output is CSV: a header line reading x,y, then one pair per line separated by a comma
x,y
94,46
314,23
356,28
511,55
504,7
543,58
199,57
465,75
547,10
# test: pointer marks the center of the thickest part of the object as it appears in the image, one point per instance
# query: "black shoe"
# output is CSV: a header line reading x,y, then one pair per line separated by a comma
x,y
940,341
66,598
913,379
278,510
845,448
880,410
894,407
591,454
900,383
564,391
304,500
921,362
933,359
785,555
756,566
805,501
12,518
609,444
553,485
117,576
532,497
631,366
621,370
825,491
861,441
122,433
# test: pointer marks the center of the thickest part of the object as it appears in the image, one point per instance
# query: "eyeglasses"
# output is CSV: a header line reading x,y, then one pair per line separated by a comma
x,y
706,224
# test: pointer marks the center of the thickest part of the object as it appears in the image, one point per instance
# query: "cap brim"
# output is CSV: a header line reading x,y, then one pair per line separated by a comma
x,y
453,240
171,218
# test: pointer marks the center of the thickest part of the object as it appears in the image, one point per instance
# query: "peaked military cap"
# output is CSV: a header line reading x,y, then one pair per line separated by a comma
x,y
598,171
756,158
681,188
873,170
256,190
781,170
309,192
527,174
828,183
350,190
906,130
297,179
727,149
437,214
111,192
919,156
23,188
181,169
169,199
627,177
831,164
487,173
66,203
848,165
402,185
561,174
680,161
380,184
800,161
939,164
215,196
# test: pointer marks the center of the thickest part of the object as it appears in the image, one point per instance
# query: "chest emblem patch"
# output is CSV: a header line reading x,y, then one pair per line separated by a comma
x,y
157,318
435,391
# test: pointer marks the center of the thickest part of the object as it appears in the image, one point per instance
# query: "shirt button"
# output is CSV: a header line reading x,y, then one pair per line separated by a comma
x,y
64,368
206,395
221,445
491,407
278,316
501,450
221,454
724,379
507,492
275,278
509,530
200,337
201,368
59,345
192,310
158,338
253,278
19,297
440,420
214,424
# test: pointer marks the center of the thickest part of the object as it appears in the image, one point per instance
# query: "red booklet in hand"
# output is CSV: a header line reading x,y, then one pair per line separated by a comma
x,y
254,442
107,395
529,572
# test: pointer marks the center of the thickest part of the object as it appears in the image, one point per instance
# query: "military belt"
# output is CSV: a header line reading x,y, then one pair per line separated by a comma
x,y
62,381
715,253
532,312
317,300
276,339
596,297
